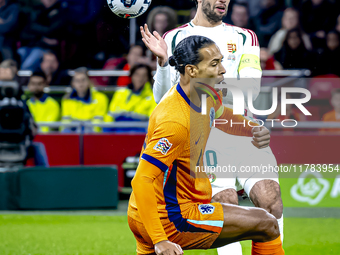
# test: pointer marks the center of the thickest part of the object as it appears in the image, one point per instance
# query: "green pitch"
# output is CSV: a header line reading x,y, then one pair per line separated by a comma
x,y
76,234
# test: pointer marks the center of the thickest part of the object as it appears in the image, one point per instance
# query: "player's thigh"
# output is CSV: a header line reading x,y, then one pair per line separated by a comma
x,y
245,223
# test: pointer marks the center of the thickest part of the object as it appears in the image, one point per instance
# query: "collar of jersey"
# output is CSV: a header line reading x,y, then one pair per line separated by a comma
x,y
193,25
185,97
42,99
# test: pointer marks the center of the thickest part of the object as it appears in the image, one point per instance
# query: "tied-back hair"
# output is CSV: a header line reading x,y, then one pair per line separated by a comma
x,y
187,52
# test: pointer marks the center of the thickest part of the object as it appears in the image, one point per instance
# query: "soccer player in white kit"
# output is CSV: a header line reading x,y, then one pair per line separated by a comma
x,y
241,51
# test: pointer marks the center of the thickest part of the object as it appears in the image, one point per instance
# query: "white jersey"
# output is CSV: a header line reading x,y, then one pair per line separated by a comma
x,y
239,47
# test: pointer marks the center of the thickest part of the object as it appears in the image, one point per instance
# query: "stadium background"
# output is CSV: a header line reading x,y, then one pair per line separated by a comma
x,y
56,210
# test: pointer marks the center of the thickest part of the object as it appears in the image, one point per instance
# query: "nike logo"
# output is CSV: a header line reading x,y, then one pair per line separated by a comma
x,y
198,140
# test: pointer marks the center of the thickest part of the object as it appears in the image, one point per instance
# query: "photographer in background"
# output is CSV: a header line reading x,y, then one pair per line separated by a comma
x,y
17,129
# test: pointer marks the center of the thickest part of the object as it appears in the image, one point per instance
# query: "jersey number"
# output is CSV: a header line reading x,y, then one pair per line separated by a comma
x,y
211,158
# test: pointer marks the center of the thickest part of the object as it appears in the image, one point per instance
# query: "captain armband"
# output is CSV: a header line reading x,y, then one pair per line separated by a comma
x,y
250,60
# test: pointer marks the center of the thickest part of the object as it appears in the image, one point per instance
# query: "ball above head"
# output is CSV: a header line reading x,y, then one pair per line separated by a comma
x,y
128,9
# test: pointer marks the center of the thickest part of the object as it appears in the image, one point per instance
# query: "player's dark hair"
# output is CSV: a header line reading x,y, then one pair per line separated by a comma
x,y
195,1
39,74
187,52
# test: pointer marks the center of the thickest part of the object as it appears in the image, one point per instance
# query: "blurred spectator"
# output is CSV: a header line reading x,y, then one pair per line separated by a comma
x,y
162,19
43,107
51,68
193,12
318,17
333,115
9,13
337,27
327,60
8,70
240,15
42,33
134,57
293,54
268,21
135,102
268,61
84,103
290,20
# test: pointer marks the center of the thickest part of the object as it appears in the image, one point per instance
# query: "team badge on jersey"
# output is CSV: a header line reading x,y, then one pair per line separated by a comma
x,y
212,116
163,146
232,49
206,208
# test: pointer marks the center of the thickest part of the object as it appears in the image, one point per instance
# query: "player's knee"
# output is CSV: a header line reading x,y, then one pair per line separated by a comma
x,y
228,196
267,226
266,194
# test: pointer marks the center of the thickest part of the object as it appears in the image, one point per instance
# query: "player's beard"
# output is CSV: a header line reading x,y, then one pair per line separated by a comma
x,y
210,13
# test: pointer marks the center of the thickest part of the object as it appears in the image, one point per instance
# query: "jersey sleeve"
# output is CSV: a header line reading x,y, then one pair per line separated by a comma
x,y
163,147
232,124
142,185
165,144
249,69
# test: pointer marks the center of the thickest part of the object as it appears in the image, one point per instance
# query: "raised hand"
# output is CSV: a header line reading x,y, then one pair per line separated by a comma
x,y
156,44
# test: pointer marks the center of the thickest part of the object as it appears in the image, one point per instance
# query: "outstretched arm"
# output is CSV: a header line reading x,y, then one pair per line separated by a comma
x,y
242,126
157,45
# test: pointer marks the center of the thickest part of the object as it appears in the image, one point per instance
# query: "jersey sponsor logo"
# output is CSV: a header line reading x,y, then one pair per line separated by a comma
x,y
198,140
163,146
206,208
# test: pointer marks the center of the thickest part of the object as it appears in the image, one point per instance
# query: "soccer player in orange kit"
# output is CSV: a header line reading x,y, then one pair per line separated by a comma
x,y
169,209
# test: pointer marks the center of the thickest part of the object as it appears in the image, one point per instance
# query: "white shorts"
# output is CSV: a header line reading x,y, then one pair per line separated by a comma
x,y
236,162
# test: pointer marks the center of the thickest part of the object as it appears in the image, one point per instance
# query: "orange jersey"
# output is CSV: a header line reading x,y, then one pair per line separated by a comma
x,y
330,116
175,142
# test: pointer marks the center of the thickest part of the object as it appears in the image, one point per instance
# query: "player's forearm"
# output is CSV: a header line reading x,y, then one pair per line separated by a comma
x,y
236,124
162,82
144,192
250,80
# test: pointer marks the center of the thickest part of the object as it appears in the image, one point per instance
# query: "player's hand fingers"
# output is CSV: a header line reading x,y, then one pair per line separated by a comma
x,y
261,145
146,43
179,248
261,138
145,36
157,35
260,131
147,31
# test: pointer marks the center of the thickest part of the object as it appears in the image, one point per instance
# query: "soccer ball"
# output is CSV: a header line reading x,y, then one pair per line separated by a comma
x,y
128,9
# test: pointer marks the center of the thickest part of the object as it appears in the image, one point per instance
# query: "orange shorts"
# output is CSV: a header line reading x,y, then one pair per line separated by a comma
x,y
196,228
